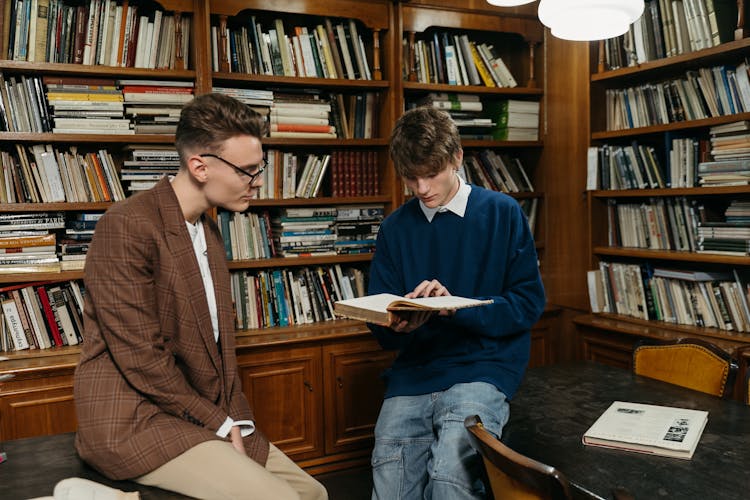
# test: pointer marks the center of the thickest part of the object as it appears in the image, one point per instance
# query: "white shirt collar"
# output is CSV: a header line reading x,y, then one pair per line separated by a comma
x,y
457,204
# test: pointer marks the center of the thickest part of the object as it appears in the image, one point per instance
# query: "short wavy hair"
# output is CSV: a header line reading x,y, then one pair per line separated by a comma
x,y
424,140
209,120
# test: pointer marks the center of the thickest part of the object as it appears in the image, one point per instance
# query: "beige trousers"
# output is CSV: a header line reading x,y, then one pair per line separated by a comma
x,y
215,470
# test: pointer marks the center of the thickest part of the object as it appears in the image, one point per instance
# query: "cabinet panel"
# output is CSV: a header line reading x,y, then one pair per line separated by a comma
x,y
544,339
36,411
284,388
354,393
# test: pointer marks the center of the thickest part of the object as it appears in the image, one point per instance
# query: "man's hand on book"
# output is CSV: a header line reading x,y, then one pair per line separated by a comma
x,y
407,322
432,288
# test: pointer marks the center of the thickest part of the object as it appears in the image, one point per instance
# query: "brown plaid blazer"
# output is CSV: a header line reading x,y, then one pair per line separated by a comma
x,y
152,382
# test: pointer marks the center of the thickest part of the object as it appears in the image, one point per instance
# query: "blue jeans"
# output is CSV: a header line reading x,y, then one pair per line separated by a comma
x,y
422,450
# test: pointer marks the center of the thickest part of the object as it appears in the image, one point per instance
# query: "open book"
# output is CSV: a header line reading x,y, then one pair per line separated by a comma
x,y
659,430
378,308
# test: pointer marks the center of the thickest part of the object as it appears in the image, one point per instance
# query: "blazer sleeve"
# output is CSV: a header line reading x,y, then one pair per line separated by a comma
x,y
124,268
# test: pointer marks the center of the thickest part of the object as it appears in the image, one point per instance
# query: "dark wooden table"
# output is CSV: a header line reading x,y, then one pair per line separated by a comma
x,y
35,465
557,404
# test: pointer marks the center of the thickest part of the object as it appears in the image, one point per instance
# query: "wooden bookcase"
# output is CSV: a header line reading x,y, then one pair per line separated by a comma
x,y
307,381
610,337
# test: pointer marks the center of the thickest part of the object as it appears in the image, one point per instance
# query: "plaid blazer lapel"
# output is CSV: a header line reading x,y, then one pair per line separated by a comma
x,y
181,247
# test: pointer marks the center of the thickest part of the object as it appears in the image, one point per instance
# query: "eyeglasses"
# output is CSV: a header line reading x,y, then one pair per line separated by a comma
x,y
260,166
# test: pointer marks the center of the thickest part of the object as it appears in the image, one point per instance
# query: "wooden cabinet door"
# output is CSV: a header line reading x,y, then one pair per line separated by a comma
x,y
354,393
284,387
36,407
544,340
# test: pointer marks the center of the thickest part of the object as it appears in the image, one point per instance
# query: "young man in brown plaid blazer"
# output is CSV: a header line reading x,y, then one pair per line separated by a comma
x,y
157,392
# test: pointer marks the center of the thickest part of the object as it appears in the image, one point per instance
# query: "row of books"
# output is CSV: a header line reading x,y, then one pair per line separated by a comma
x,y
95,32
456,60
703,93
91,105
294,232
338,173
671,27
696,298
45,174
657,224
334,49
721,160
292,296
41,315
498,172
530,207
679,224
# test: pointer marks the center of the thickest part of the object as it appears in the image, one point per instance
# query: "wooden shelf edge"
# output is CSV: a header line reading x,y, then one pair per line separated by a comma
x,y
641,253
471,89
660,329
348,200
692,191
55,207
235,265
658,129
300,81
725,49
49,137
40,276
115,72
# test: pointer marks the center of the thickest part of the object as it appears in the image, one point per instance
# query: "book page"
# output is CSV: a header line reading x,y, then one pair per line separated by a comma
x,y
442,302
665,427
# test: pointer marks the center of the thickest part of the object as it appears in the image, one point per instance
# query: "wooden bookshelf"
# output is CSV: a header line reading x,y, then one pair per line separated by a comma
x,y
610,337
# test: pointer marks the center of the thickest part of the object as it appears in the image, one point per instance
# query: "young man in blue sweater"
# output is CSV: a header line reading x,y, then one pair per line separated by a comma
x,y
450,239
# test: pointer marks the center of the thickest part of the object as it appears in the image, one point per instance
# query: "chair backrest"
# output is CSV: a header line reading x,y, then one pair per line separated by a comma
x,y
692,363
512,475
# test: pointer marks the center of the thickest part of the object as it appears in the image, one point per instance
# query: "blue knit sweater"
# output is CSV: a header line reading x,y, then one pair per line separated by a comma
x,y
487,254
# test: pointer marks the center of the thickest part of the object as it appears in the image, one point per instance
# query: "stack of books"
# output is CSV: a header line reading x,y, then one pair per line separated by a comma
x,y
154,105
86,106
305,231
79,231
729,236
466,111
148,164
259,100
26,243
357,228
303,116
730,150
515,120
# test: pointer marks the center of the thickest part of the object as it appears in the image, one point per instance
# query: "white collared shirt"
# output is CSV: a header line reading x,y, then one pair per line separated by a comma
x,y
198,237
457,204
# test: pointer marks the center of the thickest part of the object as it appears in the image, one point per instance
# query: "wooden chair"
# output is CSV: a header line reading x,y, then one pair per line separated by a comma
x,y
692,363
512,475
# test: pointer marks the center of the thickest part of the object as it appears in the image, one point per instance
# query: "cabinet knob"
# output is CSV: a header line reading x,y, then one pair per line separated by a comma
x,y
340,382
308,385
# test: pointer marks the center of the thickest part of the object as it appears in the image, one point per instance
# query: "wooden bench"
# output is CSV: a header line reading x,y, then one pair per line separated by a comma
x,y
35,465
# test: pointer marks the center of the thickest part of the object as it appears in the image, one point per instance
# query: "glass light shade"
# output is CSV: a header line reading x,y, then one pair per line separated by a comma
x,y
508,3
589,19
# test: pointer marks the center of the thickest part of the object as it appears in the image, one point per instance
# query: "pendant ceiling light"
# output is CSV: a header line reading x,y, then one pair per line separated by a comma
x,y
589,19
508,3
